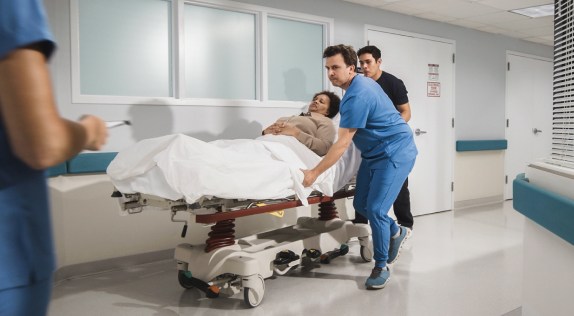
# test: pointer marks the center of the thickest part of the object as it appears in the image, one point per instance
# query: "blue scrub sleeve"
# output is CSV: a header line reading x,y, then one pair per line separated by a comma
x,y
22,23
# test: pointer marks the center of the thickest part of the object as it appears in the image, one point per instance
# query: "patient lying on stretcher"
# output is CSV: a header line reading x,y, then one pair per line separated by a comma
x,y
269,167
313,128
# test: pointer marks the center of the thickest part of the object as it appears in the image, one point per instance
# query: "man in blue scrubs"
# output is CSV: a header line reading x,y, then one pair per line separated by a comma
x,y
370,120
33,137
370,61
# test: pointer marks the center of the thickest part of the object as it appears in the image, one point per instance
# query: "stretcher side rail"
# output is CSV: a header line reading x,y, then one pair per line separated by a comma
x,y
223,209
220,216
227,210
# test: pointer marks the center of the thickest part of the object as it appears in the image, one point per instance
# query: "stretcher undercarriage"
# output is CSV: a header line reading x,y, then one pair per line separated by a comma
x,y
224,265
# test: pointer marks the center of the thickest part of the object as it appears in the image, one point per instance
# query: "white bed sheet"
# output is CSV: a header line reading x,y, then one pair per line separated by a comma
x,y
178,166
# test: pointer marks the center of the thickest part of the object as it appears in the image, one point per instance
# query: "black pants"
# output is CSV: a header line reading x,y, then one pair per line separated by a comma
x,y
402,207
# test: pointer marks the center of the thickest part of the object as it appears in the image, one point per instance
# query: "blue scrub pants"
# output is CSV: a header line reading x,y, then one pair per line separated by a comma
x,y
28,300
376,190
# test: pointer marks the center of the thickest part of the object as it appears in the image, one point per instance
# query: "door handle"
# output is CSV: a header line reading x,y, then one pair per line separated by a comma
x,y
418,132
536,131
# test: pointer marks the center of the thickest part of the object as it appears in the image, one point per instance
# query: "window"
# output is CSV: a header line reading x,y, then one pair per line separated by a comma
x,y
125,48
295,61
220,53
563,109
204,52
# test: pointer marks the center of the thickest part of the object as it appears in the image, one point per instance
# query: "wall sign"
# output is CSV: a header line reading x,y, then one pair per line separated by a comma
x,y
433,89
433,84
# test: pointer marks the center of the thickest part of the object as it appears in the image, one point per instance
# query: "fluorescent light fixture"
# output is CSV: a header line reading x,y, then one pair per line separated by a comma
x,y
536,12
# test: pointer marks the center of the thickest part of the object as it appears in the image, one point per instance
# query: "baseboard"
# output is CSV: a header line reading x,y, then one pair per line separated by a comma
x,y
94,267
459,205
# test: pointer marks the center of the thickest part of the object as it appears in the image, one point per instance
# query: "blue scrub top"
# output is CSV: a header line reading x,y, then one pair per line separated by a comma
x,y
26,247
381,131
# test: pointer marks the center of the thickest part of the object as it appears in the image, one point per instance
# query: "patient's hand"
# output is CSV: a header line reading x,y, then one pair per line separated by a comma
x,y
282,128
289,130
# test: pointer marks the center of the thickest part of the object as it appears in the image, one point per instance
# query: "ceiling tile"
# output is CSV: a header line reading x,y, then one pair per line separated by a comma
x,y
490,29
467,23
524,24
425,5
514,4
401,9
435,17
484,15
462,9
513,33
499,17
371,3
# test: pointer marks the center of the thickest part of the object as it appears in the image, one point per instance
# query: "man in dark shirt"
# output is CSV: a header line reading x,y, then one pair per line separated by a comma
x,y
370,62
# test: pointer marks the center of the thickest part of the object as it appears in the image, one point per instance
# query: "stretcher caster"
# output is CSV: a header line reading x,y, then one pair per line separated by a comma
x,y
284,261
189,282
253,290
330,255
285,257
312,254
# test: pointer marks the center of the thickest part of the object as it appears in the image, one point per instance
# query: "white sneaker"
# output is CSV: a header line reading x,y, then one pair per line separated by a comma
x,y
409,232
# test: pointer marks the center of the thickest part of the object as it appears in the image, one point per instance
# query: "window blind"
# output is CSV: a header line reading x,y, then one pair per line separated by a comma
x,y
563,104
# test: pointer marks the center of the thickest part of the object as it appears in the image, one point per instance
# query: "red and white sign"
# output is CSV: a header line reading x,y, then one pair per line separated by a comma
x,y
433,89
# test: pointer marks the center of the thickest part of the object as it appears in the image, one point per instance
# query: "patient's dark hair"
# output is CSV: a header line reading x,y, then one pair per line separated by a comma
x,y
373,50
348,53
334,102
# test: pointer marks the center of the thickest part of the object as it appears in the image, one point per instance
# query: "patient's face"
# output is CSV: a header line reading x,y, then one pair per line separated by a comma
x,y
320,104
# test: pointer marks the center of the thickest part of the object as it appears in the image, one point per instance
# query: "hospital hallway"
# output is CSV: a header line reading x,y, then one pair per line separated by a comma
x,y
464,262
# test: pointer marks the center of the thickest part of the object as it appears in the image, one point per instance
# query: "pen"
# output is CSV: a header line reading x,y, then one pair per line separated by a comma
x,y
112,124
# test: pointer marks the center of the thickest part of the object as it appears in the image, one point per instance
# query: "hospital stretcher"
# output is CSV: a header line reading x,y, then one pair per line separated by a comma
x,y
228,266
221,181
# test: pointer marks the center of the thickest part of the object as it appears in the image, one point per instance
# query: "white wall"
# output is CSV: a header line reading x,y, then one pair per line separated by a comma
x,y
203,122
478,178
88,226
547,280
479,79
480,62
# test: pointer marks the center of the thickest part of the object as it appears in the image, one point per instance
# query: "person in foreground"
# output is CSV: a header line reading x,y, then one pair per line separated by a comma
x,y
388,151
314,128
33,137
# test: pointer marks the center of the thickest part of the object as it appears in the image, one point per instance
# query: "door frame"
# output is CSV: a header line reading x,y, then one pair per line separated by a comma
x,y
506,194
451,137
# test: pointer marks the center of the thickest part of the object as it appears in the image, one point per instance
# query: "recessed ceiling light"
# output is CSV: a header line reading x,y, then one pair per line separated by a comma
x,y
536,12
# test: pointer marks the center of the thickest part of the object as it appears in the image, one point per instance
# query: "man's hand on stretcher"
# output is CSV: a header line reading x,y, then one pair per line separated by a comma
x,y
309,177
336,151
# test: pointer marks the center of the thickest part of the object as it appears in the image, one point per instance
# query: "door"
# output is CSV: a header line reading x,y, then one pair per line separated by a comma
x,y
426,67
528,113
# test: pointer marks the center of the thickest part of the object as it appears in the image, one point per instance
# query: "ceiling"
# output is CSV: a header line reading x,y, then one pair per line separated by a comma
x,y
484,15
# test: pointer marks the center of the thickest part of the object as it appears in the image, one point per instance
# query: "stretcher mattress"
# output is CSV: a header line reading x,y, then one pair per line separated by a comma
x,y
182,167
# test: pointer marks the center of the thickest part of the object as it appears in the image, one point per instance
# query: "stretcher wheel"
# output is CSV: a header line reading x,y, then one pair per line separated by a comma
x,y
254,290
185,280
366,253
188,282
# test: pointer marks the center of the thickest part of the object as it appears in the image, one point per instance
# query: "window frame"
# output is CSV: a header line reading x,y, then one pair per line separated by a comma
x,y
177,54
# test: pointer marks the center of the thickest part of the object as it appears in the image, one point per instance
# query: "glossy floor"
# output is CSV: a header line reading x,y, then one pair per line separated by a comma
x,y
465,262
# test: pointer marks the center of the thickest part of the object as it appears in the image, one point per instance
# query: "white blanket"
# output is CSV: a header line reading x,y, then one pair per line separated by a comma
x,y
178,166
